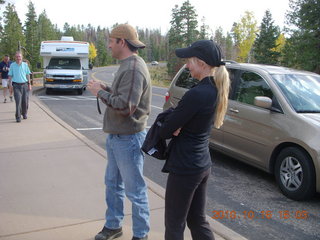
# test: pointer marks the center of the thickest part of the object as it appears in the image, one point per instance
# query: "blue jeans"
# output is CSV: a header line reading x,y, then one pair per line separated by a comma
x,y
124,177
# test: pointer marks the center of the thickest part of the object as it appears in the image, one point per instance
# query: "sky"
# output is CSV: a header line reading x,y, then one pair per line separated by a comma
x,y
152,14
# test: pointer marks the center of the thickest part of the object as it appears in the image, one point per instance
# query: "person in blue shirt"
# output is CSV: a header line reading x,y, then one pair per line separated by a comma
x,y
4,70
189,125
19,74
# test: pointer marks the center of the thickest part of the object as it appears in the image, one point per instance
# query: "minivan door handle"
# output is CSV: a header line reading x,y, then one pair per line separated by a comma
x,y
234,110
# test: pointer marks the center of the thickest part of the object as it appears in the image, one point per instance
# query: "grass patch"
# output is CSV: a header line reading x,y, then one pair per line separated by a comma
x,y
159,76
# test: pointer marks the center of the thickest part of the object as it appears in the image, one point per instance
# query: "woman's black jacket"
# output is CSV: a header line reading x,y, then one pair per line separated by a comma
x,y
189,151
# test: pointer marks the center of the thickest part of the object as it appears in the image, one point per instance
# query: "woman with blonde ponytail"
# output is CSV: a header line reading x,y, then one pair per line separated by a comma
x,y
189,126
222,82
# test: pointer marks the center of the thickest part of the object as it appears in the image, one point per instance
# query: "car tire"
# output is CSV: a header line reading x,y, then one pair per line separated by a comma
x,y
295,173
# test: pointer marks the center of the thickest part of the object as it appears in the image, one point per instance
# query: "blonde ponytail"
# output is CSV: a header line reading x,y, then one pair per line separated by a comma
x,y
222,82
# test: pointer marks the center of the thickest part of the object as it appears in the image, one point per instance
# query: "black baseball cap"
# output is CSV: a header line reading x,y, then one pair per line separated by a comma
x,y
206,50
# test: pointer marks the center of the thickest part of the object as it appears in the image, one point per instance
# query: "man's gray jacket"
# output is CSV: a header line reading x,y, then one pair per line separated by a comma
x,y
129,98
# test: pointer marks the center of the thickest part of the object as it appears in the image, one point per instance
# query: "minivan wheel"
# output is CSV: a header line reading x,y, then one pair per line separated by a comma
x,y
295,174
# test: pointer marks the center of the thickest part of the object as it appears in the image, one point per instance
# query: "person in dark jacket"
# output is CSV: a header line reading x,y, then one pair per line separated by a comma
x,y
189,126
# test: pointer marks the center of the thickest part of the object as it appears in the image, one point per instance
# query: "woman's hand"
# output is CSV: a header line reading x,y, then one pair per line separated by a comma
x,y
177,132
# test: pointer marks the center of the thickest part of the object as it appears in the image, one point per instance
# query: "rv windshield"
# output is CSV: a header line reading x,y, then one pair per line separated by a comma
x,y
64,63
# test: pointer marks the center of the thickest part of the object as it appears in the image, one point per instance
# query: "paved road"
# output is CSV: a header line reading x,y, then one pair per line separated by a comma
x,y
245,199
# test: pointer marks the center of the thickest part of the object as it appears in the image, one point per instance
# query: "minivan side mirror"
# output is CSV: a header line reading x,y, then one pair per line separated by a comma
x,y
264,102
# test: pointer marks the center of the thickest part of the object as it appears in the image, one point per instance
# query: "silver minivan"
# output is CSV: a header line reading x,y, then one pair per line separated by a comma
x,y
272,123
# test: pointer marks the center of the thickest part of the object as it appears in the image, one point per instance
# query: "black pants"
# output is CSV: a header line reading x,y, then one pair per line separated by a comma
x,y
185,203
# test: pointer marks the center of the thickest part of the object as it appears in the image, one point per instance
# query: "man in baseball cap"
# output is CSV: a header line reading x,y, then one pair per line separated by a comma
x,y
127,102
129,33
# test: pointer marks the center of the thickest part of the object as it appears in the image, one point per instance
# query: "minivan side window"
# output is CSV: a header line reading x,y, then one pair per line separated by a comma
x,y
251,85
232,77
185,80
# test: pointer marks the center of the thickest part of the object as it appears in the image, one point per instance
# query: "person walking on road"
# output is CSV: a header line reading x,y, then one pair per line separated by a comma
x,y
19,74
128,106
4,70
189,125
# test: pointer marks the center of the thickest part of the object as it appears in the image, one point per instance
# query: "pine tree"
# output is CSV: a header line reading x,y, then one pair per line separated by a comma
x,y
302,48
182,33
204,30
46,30
77,32
32,37
174,40
230,52
90,34
189,23
144,37
264,47
1,28
218,37
102,56
13,37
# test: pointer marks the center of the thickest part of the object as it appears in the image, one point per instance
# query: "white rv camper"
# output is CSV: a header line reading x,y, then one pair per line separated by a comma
x,y
66,64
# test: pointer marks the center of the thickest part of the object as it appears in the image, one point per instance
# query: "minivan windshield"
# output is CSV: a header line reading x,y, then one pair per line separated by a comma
x,y
301,90
64,63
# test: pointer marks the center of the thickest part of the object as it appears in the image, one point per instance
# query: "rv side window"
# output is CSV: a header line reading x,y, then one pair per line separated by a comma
x,y
64,63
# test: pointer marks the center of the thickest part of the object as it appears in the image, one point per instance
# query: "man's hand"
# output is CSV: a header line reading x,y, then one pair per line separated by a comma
x,y
95,86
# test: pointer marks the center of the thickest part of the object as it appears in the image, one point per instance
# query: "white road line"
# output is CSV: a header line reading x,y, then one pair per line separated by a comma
x,y
90,129
87,129
156,107
64,98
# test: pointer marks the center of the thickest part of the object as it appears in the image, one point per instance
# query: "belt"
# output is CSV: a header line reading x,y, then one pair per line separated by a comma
x,y
19,83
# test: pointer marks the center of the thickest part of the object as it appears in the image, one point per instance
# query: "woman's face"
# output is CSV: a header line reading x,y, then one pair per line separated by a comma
x,y
194,68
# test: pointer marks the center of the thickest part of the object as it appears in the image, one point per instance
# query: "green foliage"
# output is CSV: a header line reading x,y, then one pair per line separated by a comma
x,y
230,51
264,48
77,32
189,23
302,49
41,29
31,49
204,30
101,59
220,39
12,37
46,30
182,33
